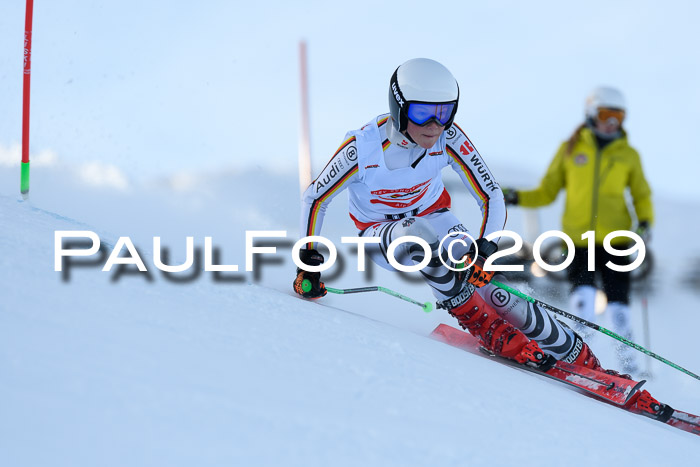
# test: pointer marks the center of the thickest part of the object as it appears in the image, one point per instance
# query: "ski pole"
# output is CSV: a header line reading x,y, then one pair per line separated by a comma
x,y
427,306
593,326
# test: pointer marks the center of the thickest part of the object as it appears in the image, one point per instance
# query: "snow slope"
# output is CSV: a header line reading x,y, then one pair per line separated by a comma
x,y
101,369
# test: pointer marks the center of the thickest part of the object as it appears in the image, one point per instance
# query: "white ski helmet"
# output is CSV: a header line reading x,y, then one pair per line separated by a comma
x,y
421,80
604,97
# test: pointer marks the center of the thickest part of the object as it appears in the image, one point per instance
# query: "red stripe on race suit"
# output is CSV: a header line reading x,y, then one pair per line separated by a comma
x,y
444,201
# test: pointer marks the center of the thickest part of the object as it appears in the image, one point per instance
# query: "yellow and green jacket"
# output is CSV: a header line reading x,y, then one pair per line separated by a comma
x,y
595,181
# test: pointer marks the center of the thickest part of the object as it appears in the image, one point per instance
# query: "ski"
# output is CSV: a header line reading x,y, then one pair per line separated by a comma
x,y
617,391
613,389
682,420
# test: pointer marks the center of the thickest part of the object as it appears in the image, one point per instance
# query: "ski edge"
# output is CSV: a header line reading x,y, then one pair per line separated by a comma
x,y
602,386
678,419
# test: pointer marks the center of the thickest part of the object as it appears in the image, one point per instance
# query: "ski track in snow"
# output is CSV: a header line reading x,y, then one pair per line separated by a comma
x,y
97,371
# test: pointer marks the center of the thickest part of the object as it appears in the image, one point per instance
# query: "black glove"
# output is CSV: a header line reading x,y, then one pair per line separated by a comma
x,y
475,274
644,231
308,284
510,196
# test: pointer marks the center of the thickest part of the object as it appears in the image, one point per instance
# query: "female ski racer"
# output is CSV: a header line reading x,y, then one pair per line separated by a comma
x,y
392,169
596,167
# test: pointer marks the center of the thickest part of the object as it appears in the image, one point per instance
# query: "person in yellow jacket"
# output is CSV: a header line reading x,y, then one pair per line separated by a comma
x,y
596,167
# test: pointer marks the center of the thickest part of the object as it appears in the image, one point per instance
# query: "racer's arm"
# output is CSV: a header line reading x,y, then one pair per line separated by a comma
x,y
334,178
476,176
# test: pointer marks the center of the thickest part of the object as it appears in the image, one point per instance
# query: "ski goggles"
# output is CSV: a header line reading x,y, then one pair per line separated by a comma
x,y
604,114
422,113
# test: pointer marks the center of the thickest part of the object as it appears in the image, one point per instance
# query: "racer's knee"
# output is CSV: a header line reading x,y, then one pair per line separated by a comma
x,y
410,252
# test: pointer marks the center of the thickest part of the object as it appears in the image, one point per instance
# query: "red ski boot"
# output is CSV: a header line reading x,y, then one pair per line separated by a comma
x,y
495,333
581,354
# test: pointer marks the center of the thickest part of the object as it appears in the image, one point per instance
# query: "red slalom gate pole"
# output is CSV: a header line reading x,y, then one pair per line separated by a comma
x,y
24,182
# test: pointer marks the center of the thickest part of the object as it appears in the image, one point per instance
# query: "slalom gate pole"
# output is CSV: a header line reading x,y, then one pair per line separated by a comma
x,y
593,326
427,306
304,136
24,176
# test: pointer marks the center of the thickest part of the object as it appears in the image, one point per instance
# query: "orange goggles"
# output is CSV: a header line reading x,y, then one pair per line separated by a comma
x,y
604,115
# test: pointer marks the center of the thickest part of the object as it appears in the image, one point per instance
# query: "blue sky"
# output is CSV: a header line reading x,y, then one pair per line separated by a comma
x,y
166,87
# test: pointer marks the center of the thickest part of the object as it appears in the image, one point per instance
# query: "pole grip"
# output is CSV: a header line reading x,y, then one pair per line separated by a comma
x,y
306,285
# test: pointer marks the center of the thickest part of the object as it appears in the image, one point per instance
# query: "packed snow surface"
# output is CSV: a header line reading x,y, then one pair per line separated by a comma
x,y
131,368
